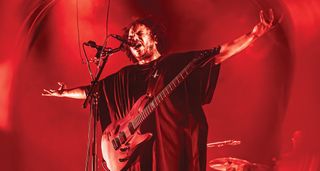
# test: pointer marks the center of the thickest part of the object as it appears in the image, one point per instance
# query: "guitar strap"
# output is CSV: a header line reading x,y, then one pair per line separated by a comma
x,y
152,80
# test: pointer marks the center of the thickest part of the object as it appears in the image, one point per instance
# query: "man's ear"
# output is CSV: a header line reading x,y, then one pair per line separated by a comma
x,y
155,38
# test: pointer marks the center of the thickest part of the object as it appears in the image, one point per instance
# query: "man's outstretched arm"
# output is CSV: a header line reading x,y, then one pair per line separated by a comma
x,y
62,91
232,48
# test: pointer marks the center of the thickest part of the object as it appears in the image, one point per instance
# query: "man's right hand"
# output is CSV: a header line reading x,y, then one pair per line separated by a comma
x,y
62,91
56,93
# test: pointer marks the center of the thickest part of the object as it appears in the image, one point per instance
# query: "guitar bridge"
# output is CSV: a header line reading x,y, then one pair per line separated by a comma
x,y
124,149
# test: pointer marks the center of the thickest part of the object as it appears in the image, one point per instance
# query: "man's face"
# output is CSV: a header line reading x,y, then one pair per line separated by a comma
x,y
145,43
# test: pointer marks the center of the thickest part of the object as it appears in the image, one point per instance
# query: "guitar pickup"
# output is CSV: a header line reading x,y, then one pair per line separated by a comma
x,y
122,137
116,143
131,128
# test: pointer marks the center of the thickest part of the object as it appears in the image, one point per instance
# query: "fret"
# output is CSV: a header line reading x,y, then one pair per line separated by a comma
x,y
145,111
148,109
187,72
160,96
167,91
174,84
139,119
182,76
164,94
177,83
155,101
144,116
178,79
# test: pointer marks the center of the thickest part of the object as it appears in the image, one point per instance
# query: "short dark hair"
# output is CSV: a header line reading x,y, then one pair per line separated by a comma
x,y
157,32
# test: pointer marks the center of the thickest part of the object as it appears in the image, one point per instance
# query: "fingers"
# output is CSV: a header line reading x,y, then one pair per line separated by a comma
x,y
271,18
62,86
54,92
263,19
50,92
271,15
46,93
261,16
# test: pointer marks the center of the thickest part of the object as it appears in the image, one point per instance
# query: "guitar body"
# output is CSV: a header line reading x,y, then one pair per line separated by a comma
x,y
119,141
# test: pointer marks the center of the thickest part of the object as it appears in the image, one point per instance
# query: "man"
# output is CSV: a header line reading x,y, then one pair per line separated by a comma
x,y
178,125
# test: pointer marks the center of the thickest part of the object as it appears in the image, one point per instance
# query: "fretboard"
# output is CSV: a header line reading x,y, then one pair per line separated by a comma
x,y
165,92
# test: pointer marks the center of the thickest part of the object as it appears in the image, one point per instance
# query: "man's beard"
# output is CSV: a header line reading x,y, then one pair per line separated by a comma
x,y
148,54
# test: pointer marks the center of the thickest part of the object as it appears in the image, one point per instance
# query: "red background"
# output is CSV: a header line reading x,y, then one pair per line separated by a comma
x,y
263,94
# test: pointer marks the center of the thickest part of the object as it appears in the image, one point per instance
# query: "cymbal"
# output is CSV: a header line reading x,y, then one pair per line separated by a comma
x,y
227,163
223,143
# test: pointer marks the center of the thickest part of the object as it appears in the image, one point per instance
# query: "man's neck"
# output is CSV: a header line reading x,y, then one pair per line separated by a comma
x,y
155,56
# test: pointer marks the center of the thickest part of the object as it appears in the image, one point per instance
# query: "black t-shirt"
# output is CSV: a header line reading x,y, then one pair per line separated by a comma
x,y
178,124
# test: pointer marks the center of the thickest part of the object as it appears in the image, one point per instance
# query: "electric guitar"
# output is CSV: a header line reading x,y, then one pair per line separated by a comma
x,y
122,137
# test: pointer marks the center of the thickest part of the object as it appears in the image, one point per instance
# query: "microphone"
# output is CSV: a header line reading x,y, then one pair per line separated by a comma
x,y
124,41
93,45
99,48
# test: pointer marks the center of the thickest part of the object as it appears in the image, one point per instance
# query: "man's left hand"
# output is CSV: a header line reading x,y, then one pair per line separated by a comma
x,y
265,23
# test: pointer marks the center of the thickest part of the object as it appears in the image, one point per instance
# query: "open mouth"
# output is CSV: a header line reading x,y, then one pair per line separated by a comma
x,y
138,45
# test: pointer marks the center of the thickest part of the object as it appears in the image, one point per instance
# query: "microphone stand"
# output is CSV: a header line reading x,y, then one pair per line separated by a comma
x,y
93,94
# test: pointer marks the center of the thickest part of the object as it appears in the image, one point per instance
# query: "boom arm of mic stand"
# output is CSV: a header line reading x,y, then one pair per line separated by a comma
x,y
96,79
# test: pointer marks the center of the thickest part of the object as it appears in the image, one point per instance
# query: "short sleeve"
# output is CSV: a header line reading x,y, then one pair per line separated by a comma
x,y
202,82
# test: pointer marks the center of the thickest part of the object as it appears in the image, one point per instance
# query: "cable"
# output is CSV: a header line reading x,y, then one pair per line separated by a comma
x,y
107,17
105,42
78,32
88,142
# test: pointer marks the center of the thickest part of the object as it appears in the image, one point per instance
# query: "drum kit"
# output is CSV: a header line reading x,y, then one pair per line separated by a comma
x,y
231,163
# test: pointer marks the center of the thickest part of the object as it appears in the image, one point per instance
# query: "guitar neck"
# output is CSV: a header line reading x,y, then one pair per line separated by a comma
x,y
165,92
